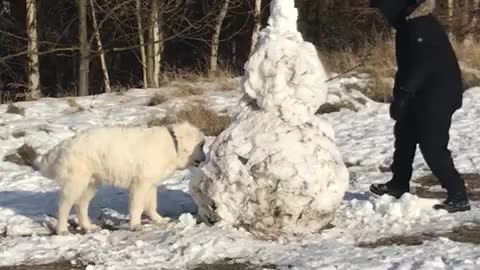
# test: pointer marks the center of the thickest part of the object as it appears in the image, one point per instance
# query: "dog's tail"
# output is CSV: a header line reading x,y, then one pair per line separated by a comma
x,y
29,155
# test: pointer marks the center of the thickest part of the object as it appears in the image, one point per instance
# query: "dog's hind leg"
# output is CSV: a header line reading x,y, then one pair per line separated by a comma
x,y
70,193
151,207
137,197
81,207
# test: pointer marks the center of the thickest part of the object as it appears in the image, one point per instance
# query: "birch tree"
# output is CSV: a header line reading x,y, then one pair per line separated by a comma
x,y
33,71
141,40
84,49
155,46
106,77
216,36
157,39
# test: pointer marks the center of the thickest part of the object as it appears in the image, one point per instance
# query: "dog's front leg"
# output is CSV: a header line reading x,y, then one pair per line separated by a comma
x,y
69,194
151,207
137,196
82,209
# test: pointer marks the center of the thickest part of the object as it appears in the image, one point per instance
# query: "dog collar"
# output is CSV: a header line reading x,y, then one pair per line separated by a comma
x,y
174,137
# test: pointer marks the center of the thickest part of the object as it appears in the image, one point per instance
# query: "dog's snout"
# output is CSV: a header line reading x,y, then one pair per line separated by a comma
x,y
201,159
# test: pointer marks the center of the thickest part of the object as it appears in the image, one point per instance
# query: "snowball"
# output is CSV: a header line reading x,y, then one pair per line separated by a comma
x,y
284,74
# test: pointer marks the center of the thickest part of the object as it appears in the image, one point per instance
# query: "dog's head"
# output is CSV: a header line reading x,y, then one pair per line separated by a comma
x,y
190,145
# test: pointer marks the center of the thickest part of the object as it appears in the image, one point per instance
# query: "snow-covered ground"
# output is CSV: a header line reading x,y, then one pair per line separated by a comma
x,y
28,201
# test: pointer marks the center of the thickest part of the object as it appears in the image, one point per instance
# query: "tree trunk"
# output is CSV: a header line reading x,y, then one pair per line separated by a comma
x,y
473,24
151,44
33,72
106,77
141,39
257,23
150,58
451,21
216,37
161,40
157,38
84,49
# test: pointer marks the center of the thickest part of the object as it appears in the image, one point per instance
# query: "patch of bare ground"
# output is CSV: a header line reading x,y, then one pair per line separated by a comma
x,y
462,234
429,187
229,264
60,265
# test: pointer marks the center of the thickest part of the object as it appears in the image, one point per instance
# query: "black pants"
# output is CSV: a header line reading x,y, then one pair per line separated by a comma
x,y
429,128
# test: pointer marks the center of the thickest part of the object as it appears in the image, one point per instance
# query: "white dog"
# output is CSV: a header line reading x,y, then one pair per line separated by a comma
x,y
134,158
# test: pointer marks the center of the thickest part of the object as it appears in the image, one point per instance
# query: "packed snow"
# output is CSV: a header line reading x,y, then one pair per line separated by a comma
x,y
28,201
284,74
276,169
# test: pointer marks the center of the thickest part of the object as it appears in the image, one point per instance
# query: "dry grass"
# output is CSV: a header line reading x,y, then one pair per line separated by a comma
x,y
471,78
336,107
223,79
182,76
207,120
469,56
13,109
196,76
157,99
194,86
226,84
376,59
183,89
72,102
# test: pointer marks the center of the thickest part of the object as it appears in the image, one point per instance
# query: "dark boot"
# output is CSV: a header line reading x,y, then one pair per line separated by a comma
x,y
382,189
454,203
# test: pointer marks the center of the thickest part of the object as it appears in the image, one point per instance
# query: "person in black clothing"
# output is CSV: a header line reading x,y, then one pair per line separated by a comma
x,y
428,90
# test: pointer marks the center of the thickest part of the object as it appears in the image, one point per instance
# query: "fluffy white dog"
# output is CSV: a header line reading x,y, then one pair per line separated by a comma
x,y
134,158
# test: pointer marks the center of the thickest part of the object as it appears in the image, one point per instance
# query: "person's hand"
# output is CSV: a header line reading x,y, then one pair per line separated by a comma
x,y
399,105
397,109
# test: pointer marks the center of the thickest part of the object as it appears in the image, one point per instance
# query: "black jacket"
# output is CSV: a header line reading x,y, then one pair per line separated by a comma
x,y
427,65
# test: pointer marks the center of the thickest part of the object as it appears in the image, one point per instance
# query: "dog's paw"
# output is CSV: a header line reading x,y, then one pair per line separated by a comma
x,y
90,228
161,220
62,232
136,228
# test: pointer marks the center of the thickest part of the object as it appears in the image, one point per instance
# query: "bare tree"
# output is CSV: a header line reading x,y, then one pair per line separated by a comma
x,y
157,40
106,77
84,49
257,23
151,46
141,39
154,48
33,72
216,36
